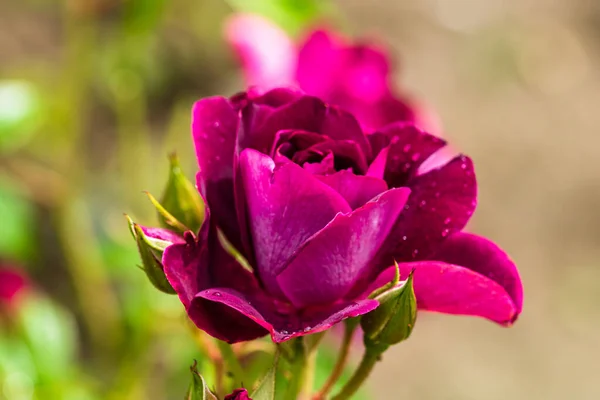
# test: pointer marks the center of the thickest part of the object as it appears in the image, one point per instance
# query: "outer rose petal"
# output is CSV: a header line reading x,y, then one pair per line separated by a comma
x,y
408,148
441,202
356,189
452,289
285,206
284,327
328,265
318,60
162,234
238,394
214,128
483,256
268,55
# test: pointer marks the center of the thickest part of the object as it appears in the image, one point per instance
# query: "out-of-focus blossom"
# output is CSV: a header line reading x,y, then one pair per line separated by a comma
x,y
238,394
13,283
356,76
320,210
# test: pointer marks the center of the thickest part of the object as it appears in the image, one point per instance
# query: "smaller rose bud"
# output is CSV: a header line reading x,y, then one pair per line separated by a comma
x,y
198,389
151,249
394,319
238,394
181,199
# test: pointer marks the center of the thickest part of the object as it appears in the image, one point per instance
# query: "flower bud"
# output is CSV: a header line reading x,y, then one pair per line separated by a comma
x,y
181,199
151,250
393,321
238,394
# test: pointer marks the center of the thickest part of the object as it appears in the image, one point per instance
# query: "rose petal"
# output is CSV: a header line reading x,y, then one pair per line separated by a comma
x,y
214,126
452,289
287,326
356,189
324,167
267,54
285,206
318,59
440,204
329,264
341,125
238,394
408,148
162,234
346,154
485,257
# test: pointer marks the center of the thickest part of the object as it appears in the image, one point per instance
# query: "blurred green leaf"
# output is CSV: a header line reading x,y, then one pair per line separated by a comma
x,y
20,113
17,214
292,15
51,335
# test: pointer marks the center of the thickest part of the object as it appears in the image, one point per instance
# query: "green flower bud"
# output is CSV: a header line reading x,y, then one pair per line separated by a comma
x,y
394,319
198,389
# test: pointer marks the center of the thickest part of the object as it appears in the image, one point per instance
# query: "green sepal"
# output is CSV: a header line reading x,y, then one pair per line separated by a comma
x,y
151,251
198,389
181,199
266,387
394,319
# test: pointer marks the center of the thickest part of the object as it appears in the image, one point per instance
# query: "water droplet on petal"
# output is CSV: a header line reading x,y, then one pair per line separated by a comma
x,y
422,204
415,252
395,139
307,329
463,166
404,238
217,124
415,156
437,195
217,294
447,221
406,148
445,232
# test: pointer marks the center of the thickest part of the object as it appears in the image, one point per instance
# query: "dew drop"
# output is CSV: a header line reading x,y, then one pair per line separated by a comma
x,y
284,332
415,156
217,294
422,204
307,329
404,238
406,167
447,221
406,148
395,140
463,166
217,157
217,124
415,252
445,232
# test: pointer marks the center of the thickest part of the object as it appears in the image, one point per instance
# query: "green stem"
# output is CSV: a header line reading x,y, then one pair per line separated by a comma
x,y
297,367
338,369
232,364
308,380
363,371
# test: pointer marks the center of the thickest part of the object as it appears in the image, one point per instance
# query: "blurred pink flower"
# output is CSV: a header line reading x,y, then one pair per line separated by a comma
x,y
355,76
12,284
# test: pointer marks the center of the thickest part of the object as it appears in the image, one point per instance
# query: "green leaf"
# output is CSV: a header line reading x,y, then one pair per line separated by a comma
x,y
291,15
198,389
181,199
17,227
266,387
394,319
151,251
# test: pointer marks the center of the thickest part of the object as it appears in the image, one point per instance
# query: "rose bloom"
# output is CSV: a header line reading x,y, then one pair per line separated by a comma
x,y
320,211
355,76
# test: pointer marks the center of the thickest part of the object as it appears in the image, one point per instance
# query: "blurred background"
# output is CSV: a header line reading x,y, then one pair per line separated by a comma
x,y
95,93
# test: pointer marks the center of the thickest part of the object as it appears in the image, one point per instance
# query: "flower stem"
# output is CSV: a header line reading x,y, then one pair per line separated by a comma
x,y
297,369
342,359
308,380
232,364
367,363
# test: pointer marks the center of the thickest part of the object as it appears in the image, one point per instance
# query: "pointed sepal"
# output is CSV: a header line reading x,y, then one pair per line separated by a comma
x,y
198,389
181,199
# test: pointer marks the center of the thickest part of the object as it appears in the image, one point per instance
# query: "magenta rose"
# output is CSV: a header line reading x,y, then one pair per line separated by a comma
x,y
13,283
320,211
355,76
